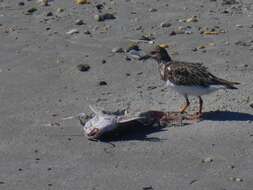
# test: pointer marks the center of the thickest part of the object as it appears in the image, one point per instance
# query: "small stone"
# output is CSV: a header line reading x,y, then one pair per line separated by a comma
x,y
148,188
99,7
60,10
165,24
229,2
102,83
103,61
117,50
87,32
152,10
49,14
133,46
103,17
82,2
83,67
193,181
206,160
79,22
237,179
1,182
173,33
31,11
239,26
43,2
192,19
21,3
72,31
251,104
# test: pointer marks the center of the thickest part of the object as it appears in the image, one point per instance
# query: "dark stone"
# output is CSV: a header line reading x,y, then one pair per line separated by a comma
x,y
102,83
83,67
21,3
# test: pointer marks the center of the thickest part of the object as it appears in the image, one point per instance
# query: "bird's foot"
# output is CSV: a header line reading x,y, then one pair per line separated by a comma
x,y
197,116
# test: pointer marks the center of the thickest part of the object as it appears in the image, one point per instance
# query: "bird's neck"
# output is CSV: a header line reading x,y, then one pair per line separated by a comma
x,y
162,69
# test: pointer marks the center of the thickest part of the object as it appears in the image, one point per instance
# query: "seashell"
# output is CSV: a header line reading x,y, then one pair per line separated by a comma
x,y
82,2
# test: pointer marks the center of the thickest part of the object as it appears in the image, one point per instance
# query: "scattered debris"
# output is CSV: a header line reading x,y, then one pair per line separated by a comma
x,y
79,22
148,188
229,2
31,11
211,31
236,179
165,24
103,17
206,160
133,46
83,67
72,31
192,19
43,2
82,2
102,83
243,43
251,104
117,50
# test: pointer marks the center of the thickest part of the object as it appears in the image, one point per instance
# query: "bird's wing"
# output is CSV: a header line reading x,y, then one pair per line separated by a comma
x,y
190,74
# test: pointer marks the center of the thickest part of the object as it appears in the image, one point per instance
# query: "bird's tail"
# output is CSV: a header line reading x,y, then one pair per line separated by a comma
x,y
226,83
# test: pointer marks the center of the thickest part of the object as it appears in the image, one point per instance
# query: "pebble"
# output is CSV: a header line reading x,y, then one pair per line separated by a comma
x,y
21,3
99,7
87,32
103,17
1,182
251,104
192,19
79,22
229,2
31,11
43,2
148,188
82,2
59,10
206,160
117,50
237,179
49,14
83,67
72,31
102,83
152,10
165,24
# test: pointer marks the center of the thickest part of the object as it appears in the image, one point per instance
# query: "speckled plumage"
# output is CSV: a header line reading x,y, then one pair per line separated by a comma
x,y
188,78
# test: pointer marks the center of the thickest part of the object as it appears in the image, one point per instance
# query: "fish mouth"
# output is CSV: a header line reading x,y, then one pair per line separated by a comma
x,y
94,133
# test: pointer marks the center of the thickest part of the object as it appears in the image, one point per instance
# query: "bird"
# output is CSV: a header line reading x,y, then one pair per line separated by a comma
x,y
187,78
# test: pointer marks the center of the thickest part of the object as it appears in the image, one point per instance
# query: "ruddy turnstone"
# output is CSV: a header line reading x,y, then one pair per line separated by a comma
x,y
188,79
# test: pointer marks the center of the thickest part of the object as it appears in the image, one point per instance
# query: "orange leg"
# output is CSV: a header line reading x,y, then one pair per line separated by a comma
x,y
186,105
198,115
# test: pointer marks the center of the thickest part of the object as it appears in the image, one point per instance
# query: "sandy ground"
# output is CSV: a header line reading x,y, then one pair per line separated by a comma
x,y
40,82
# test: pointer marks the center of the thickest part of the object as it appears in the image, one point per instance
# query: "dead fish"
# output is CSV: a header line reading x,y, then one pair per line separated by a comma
x,y
104,122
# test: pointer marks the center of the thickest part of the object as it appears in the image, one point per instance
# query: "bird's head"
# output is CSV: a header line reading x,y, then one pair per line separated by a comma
x,y
159,53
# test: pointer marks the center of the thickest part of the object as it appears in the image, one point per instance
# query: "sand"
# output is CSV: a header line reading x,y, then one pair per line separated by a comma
x,y
40,83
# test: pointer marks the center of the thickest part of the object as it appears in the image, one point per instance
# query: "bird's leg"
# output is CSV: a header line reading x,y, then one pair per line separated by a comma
x,y
198,114
186,105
